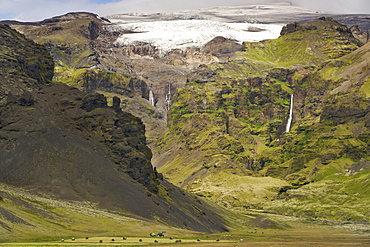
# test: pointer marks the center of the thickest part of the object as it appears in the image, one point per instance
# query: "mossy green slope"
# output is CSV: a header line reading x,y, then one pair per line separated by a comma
x,y
341,195
306,44
234,124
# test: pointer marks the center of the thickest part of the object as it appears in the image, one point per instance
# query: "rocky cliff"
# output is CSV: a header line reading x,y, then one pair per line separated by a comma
x,y
70,145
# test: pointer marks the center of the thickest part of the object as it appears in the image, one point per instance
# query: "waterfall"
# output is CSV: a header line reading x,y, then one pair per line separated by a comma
x,y
168,97
289,123
151,97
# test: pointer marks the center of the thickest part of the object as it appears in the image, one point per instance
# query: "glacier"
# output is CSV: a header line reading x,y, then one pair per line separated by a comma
x,y
196,27
182,34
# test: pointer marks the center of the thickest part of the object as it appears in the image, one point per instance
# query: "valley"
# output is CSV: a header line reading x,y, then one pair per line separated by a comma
x,y
237,122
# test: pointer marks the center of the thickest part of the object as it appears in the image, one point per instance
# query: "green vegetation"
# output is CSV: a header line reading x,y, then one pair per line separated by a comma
x,y
226,142
95,80
62,223
232,128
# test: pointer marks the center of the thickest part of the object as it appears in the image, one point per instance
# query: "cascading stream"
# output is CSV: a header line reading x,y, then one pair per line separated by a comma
x,y
151,97
168,97
289,123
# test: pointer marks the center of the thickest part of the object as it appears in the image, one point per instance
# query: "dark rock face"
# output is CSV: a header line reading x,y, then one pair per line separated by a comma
x,y
340,114
121,133
359,34
280,74
94,30
93,101
24,65
24,99
59,109
221,47
95,80
116,104
314,25
202,75
142,50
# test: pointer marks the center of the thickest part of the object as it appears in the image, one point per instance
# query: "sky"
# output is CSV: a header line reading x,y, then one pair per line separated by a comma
x,y
36,10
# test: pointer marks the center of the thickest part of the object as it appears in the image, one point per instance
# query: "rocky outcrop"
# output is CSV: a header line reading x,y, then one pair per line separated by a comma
x,y
323,22
120,135
340,113
361,35
362,165
140,50
99,80
201,75
24,65
221,48
64,102
68,17
93,101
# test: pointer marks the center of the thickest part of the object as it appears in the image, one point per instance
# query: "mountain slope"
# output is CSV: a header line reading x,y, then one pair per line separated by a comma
x,y
309,42
230,122
59,142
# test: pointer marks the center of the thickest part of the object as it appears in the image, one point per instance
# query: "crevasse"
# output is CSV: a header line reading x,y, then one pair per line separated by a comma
x,y
289,123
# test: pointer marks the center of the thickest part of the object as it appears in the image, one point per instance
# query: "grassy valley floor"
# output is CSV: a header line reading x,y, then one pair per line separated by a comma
x,y
308,236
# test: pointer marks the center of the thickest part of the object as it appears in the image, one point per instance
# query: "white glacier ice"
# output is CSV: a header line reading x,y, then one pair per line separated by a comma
x,y
180,34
